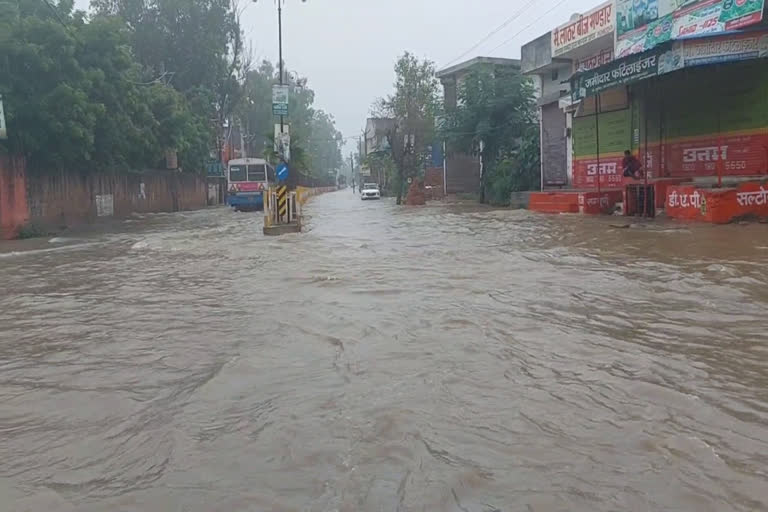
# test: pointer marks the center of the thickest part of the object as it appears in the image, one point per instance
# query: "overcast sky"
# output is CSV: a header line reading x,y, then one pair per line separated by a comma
x,y
347,48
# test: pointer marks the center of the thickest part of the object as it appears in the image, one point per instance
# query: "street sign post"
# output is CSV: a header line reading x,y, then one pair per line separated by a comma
x,y
282,171
280,100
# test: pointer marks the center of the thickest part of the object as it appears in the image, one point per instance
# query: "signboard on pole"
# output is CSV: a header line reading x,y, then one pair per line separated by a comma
x,y
283,141
282,171
280,100
3,131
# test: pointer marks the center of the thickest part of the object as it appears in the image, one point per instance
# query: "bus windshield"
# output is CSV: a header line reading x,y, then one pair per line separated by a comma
x,y
237,173
257,172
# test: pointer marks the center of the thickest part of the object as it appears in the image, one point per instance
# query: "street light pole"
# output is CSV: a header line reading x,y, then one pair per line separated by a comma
x,y
280,50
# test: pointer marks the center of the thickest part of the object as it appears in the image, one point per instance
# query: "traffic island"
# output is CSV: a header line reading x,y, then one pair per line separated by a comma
x,y
282,229
282,212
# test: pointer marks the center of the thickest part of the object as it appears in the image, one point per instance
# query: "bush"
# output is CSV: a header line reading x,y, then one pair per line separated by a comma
x,y
33,230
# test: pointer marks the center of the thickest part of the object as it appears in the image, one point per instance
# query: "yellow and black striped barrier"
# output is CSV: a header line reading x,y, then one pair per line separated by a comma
x,y
282,201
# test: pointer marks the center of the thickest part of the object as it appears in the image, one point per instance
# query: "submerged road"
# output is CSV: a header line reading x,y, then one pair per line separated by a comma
x,y
446,358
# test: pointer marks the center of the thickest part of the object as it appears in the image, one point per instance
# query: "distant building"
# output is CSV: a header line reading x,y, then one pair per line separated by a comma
x,y
375,141
461,170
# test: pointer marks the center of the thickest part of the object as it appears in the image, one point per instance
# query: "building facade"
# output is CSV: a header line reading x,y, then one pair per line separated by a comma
x,y
682,86
585,42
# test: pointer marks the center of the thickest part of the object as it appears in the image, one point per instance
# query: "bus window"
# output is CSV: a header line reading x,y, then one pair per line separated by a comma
x,y
236,173
257,173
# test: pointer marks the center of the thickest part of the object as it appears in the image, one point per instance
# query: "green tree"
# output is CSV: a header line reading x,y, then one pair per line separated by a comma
x,y
194,45
74,99
496,118
324,146
414,106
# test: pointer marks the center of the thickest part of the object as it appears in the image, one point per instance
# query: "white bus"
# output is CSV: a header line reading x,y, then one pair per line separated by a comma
x,y
247,181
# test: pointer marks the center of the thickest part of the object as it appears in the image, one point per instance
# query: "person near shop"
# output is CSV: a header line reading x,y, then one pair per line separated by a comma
x,y
632,166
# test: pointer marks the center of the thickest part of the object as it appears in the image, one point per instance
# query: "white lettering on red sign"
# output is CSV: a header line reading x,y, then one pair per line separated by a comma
x,y
708,154
758,198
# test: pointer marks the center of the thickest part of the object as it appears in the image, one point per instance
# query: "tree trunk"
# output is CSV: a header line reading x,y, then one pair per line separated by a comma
x,y
400,181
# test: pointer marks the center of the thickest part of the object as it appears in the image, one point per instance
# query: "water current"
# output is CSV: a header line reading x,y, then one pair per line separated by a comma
x,y
445,358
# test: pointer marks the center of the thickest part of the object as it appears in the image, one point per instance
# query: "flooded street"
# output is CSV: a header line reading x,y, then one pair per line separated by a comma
x,y
446,358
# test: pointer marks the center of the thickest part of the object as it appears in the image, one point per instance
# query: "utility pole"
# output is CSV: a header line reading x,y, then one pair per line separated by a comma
x,y
280,50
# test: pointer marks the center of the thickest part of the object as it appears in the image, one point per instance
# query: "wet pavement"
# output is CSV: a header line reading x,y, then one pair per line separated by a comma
x,y
446,358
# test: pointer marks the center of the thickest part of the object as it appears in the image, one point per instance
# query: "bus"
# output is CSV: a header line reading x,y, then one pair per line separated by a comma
x,y
248,179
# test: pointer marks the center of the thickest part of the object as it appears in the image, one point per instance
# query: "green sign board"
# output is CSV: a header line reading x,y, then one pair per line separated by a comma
x,y
619,72
280,109
744,11
641,25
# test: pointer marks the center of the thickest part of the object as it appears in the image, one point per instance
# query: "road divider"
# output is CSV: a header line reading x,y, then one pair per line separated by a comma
x,y
304,193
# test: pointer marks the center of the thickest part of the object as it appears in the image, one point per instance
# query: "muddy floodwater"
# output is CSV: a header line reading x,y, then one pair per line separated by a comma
x,y
445,358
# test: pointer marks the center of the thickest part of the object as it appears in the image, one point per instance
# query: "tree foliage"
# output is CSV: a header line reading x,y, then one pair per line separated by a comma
x,y
74,97
496,118
116,89
414,106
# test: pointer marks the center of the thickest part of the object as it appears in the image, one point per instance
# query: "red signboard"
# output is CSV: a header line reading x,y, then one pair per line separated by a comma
x,y
246,187
585,172
729,154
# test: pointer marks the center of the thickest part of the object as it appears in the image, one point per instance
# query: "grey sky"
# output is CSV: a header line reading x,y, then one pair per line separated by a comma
x,y
347,48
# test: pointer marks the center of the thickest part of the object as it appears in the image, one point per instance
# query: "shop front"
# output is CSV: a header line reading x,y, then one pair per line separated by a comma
x,y
693,111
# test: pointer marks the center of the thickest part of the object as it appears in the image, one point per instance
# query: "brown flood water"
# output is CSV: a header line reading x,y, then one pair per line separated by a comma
x,y
443,358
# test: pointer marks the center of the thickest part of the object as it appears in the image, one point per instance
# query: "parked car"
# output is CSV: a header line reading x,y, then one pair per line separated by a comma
x,y
370,191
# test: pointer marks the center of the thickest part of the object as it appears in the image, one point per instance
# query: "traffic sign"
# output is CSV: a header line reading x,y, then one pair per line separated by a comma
x,y
282,171
278,109
280,100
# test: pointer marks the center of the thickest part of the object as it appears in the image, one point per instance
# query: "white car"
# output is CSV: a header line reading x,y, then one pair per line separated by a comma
x,y
370,191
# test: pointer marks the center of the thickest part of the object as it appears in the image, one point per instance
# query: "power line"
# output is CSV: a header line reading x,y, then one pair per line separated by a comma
x,y
58,17
558,4
493,32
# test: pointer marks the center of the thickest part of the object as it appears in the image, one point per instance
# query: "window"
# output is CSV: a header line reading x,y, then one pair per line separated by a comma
x,y
257,173
237,173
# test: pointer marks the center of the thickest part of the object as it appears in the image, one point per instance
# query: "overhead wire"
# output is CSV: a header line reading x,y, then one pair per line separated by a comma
x,y
493,32
558,4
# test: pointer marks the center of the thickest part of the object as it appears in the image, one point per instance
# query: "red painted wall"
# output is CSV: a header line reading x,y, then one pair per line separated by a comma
x,y
719,206
13,196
